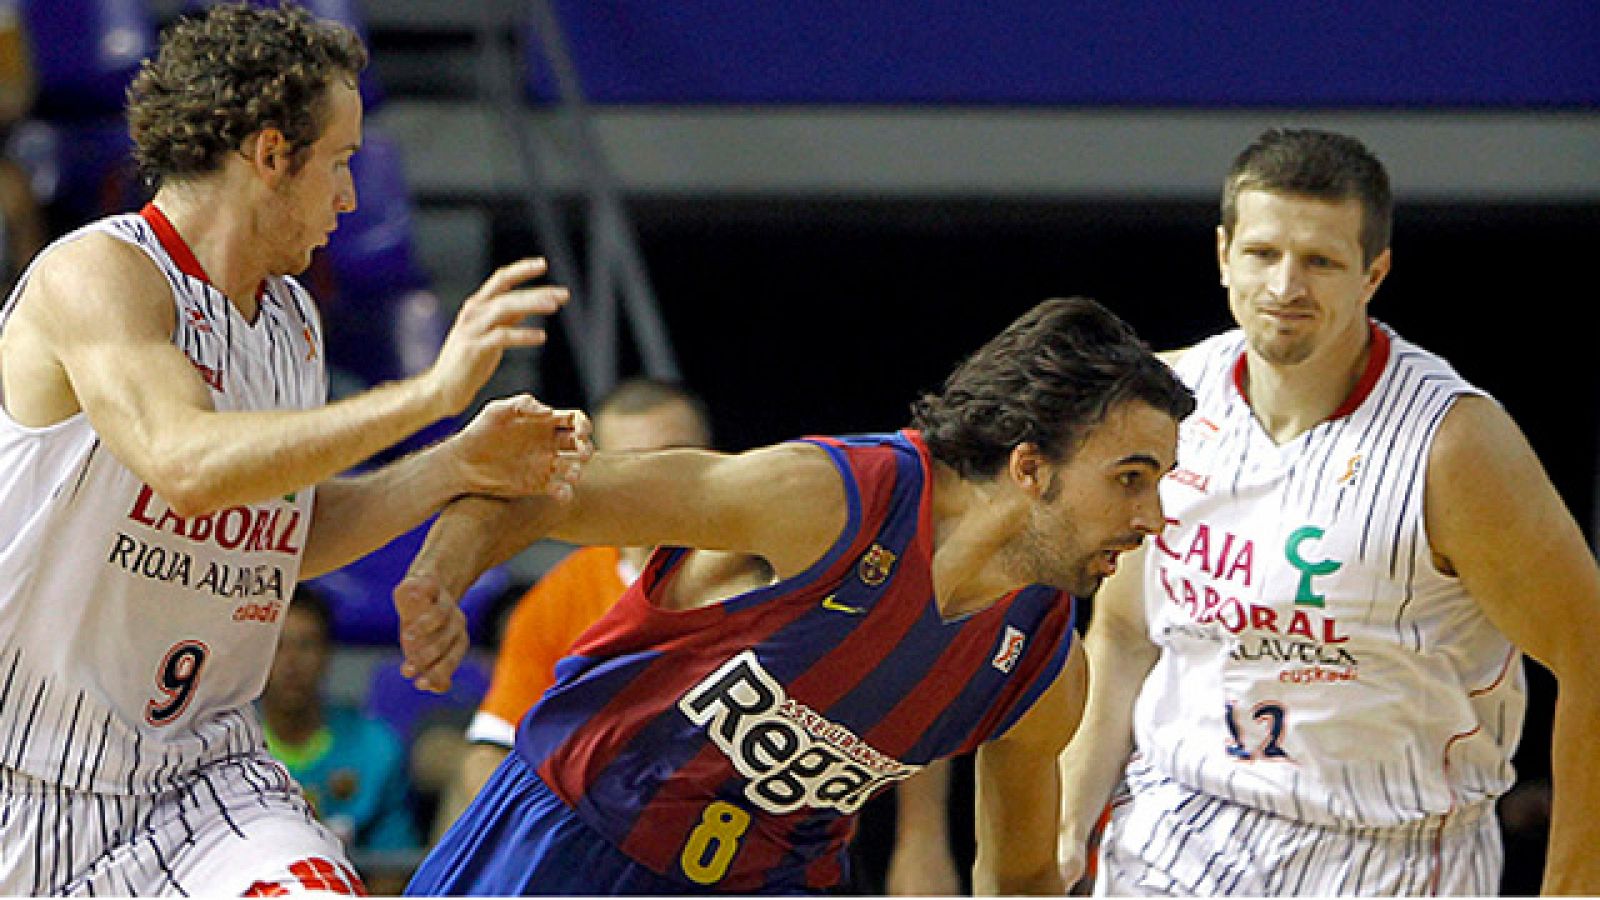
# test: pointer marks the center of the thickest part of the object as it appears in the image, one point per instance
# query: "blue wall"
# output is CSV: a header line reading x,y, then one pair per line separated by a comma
x,y
1229,53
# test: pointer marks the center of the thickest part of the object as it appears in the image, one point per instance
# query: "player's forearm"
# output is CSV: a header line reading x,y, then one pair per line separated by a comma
x,y
357,515
921,863
1571,864
213,460
1094,760
1015,821
476,532
922,804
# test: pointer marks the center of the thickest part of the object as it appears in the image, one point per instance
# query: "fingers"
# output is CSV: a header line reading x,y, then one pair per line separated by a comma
x,y
564,474
574,434
519,336
510,306
509,276
499,318
433,633
416,594
491,321
437,658
516,410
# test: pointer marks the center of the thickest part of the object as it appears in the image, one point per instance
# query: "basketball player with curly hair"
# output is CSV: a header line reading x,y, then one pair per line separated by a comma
x,y
168,470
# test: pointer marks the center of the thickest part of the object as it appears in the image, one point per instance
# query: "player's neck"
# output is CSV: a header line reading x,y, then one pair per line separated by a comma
x,y
219,235
1289,400
973,524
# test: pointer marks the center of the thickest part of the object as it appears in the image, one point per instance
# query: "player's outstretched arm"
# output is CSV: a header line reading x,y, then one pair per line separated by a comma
x,y
1018,797
515,446
95,323
784,503
1498,523
1120,655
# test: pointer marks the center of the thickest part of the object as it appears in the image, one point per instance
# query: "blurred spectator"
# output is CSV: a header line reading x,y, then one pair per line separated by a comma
x,y
639,415
21,225
352,767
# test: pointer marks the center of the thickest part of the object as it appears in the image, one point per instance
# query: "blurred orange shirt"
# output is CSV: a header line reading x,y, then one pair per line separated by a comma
x,y
548,618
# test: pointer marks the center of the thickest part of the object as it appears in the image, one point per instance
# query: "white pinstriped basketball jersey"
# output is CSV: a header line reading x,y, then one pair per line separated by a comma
x,y
133,641
1315,663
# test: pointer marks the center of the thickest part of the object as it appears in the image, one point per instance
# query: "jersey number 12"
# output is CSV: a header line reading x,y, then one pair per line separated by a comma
x,y
1274,716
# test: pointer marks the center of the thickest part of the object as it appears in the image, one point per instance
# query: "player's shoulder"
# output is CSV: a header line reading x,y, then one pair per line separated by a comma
x,y
95,276
795,461
1476,436
95,258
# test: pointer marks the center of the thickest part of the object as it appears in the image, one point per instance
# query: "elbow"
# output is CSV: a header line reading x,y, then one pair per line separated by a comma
x,y
186,491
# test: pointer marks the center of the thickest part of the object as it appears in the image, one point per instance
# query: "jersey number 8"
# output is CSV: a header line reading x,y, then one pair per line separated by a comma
x,y
711,846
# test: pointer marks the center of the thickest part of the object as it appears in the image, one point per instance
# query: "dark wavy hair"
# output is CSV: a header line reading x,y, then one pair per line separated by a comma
x,y
1321,164
1047,379
223,76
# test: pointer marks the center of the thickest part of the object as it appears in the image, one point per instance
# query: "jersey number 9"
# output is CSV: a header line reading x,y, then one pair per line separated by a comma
x,y
176,679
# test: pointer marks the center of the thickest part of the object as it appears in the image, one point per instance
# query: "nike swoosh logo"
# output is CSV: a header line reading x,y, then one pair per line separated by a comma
x,y
829,603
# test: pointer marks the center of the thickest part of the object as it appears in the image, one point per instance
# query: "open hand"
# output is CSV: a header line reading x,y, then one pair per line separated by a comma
x,y
490,322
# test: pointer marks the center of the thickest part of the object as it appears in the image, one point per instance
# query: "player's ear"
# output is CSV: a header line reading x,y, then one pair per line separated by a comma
x,y
1028,468
1222,253
1378,271
269,153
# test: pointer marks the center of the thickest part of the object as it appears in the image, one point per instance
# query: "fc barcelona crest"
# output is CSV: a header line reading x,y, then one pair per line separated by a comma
x,y
876,564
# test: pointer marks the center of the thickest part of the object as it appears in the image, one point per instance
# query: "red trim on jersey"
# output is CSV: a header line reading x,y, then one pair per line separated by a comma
x,y
178,248
173,242
1376,360
1437,855
1505,669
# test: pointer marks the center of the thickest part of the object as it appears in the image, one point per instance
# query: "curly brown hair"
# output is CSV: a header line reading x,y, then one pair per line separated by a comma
x,y
224,76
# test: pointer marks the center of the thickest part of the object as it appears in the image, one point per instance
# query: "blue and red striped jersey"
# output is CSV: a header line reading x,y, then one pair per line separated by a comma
x,y
731,746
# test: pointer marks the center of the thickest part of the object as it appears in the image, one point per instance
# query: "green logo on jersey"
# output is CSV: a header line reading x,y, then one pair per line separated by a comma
x,y
1304,595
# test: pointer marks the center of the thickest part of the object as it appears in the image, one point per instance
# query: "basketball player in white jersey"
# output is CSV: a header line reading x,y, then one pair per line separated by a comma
x,y
167,472
1312,681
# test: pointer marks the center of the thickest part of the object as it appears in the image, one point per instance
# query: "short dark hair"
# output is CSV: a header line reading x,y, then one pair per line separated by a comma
x,y
642,395
1320,164
1048,379
223,76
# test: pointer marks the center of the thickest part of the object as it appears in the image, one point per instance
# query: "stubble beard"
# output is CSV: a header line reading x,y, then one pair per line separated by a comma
x,y
1038,560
